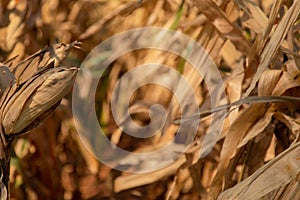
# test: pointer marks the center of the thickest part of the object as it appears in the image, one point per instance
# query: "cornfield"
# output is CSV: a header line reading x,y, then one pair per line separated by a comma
x,y
252,127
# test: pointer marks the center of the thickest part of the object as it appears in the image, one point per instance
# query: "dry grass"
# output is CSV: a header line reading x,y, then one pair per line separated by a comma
x,y
255,45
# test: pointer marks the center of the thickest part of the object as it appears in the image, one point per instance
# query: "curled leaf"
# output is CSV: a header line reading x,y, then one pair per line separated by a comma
x,y
44,59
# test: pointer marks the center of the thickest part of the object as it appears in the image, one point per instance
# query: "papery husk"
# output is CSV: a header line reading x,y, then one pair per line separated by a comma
x,y
49,57
24,107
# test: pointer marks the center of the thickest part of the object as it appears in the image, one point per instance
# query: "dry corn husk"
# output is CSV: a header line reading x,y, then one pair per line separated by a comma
x,y
25,106
47,58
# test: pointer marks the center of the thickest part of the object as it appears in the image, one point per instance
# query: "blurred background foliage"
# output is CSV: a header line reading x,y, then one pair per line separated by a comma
x,y
250,41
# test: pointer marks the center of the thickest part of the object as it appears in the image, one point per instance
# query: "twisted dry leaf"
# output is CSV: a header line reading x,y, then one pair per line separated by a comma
x,y
26,106
47,58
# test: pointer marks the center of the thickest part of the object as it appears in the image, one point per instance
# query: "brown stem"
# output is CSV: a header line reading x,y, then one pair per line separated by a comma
x,y
4,166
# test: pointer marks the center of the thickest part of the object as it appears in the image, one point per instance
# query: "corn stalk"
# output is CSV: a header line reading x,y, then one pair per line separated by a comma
x,y
30,92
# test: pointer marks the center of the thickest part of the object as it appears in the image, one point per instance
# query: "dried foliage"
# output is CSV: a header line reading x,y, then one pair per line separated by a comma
x,y
29,94
256,46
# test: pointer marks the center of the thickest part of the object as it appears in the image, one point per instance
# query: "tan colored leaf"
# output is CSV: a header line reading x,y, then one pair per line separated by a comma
x,y
259,20
16,27
16,54
90,160
257,128
268,81
285,82
94,28
49,11
264,34
278,172
135,180
50,57
224,26
274,43
234,88
291,123
230,54
236,132
240,127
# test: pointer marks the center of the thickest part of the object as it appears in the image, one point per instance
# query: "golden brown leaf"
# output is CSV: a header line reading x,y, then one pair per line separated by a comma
x,y
47,58
274,43
224,26
280,171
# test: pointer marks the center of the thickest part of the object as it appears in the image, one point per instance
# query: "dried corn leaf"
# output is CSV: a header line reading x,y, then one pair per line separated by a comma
x,y
274,43
90,16
278,172
285,82
250,123
90,160
135,180
94,28
16,28
258,128
230,54
263,37
19,50
290,191
49,11
224,26
268,81
50,57
259,20
236,132
234,88
75,10
291,123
